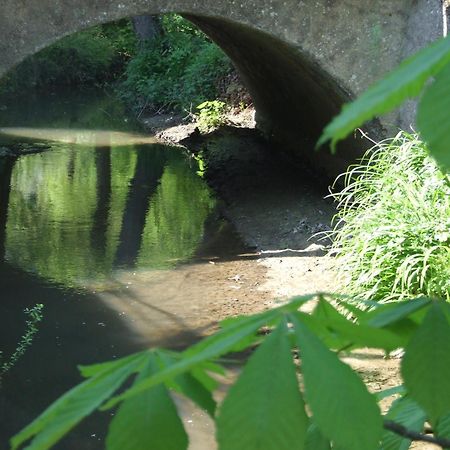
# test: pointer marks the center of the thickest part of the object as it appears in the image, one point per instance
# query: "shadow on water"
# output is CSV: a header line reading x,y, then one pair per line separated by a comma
x,y
77,223
77,329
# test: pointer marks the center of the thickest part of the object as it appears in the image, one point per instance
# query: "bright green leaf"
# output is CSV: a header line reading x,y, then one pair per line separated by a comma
x,y
76,404
264,408
443,427
342,407
433,119
201,373
315,439
295,303
318,326
207,349
357,335
408,413
148,421
187,385
400,389
426,364
404,82
96,369
351,308
387,314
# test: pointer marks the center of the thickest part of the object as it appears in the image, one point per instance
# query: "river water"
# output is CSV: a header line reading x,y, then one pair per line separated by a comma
x,y
114,234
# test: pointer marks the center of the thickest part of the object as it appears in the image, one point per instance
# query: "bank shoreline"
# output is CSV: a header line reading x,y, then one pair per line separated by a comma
x,y
274,210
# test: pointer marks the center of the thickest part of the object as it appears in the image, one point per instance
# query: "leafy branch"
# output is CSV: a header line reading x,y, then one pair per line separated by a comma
x,y
269,406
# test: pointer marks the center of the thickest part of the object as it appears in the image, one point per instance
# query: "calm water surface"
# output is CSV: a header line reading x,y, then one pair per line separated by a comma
x,y
96,228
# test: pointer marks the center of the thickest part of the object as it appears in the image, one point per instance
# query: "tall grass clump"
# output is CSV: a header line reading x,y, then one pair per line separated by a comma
x,y
391,233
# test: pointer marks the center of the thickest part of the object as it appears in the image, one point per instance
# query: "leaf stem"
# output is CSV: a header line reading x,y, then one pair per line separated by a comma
x,y
413,435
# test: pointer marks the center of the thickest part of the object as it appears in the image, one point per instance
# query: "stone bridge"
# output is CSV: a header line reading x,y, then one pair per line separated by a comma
x,y
300,59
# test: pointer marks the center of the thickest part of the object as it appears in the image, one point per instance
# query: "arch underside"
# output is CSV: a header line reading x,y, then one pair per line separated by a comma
x,y
293,95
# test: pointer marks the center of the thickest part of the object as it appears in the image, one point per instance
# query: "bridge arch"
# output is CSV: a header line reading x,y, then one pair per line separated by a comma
x,y
300,60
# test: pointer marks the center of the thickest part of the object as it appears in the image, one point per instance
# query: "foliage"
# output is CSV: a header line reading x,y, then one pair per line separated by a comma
x,y
408,80
179,69
174,23
392,228
268,407
87,57
33,317
211,115
121,37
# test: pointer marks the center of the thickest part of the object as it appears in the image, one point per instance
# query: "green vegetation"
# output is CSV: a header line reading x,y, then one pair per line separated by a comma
x,y
392,233
178,70
211,115
92,56
266,407
34,316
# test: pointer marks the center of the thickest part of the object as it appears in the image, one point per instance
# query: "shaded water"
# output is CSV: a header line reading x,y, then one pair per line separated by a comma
x,y
108,230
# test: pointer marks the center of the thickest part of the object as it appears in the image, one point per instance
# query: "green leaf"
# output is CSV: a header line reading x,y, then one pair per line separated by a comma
x,y
264,408
315,440
404,82
443,427
201,374
408,413
149,421
381,395
96,369
295,303
351,308
187,385
357,335
433,118
389,313
426,364
228,338
207,349
318,325
76,404
342,407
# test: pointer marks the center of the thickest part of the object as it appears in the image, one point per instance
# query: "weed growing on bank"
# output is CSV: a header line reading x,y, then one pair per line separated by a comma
x,y
392,229
211,114
33,317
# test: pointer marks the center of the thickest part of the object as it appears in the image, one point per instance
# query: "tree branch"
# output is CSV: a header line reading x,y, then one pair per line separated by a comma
x,y
413,435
